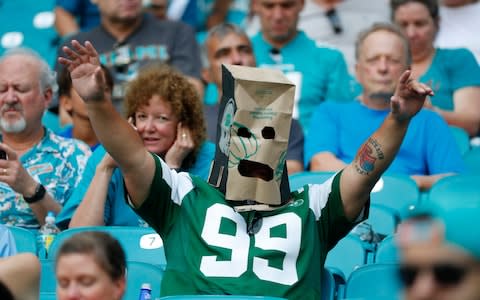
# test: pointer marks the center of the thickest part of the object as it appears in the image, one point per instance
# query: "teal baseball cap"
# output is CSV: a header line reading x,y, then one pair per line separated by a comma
x,y
455,225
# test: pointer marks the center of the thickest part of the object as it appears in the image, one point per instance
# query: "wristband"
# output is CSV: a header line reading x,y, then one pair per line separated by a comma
x,y
37,196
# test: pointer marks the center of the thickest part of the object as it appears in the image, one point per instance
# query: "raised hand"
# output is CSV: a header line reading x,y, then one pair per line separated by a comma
x,y
409,97
84,66
181,148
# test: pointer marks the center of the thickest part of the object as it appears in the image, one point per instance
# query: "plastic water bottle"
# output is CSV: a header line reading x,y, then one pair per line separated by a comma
x,y
48,231
145,292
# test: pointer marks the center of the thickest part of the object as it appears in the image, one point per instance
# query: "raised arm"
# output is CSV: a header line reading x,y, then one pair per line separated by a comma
x,y
376,154
114,132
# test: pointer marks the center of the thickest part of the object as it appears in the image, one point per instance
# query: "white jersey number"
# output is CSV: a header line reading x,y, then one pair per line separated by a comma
x,y
239,245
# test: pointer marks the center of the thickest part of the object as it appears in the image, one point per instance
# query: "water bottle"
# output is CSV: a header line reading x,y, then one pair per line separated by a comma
x,y
145,292
48,231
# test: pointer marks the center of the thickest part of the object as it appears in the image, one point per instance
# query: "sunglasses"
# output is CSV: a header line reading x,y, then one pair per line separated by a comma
x,y
445,274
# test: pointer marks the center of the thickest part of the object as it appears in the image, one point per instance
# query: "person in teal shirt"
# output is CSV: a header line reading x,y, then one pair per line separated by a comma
x,y
167,113
453,74
319,73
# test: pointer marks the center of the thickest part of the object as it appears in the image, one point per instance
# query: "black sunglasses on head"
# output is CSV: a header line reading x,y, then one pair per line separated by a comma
x,y
445,274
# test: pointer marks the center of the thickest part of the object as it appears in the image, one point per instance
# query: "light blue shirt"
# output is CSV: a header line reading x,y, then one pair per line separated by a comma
x,y
427,149
319,73
117,212
57,163
7,242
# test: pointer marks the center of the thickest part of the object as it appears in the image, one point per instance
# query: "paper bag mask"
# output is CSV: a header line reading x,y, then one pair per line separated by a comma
x,y
252,137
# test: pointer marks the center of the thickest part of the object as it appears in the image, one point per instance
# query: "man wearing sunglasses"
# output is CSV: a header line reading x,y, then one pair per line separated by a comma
x,y
440,254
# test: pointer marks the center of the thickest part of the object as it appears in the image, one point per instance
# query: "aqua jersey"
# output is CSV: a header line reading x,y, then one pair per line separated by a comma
x,y
450,70
319,73
212,249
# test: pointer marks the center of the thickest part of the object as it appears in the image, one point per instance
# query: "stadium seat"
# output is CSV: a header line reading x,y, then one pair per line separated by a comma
x,y
349,253
373,281
141,244
300,179
48,282
398,192
25,240
387,251
472,160
329,287
139,273
384,220
461,137
47,296
457,190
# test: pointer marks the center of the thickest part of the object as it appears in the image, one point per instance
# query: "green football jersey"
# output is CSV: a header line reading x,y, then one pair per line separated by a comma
x,y
212,249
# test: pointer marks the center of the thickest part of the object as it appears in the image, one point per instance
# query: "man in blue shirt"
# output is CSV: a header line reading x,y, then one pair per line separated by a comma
x,y
319,73
428,151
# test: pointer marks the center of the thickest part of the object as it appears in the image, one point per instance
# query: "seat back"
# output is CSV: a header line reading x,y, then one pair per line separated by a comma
x,y
472,160
374,280
458,190
387,251
300,179
139,273
48,281
398,192
25,240
349,254
384,220
141,244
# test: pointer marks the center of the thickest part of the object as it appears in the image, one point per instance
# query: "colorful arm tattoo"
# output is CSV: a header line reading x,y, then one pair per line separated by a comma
x,y
367,156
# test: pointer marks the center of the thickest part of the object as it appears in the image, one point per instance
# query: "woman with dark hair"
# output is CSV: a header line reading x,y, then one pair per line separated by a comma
x,y
453,74
167,113
90,265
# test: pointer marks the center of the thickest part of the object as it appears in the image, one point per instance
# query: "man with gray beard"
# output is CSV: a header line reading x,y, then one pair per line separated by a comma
x,y
38,169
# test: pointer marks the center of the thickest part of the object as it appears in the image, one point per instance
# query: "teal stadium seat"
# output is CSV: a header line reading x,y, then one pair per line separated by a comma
x,y
472,160
374,281
387,251
25,240
47,296
461,137
384,220
141,244
139,273
456,191
48,282
300,179
398,192
349,253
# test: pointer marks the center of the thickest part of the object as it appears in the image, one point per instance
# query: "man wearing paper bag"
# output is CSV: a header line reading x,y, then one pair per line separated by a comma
x,y
243,232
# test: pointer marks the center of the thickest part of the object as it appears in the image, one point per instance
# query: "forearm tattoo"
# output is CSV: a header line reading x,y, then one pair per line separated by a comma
x,y
367,156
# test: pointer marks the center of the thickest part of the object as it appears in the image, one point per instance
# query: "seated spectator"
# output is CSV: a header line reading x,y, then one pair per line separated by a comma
x,y
228,44
429,150
42,169
73,105
453,74
439,254
72,16
319,73
168,116
20,277
7,242
90,265
129,39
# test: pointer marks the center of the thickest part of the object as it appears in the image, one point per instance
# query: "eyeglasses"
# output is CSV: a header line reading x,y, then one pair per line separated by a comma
x,y
445,274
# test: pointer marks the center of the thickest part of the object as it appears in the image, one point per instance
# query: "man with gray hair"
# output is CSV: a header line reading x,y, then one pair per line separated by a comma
x,y
429,151
38,169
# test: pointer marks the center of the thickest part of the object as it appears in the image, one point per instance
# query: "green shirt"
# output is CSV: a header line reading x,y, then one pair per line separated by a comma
x,y
209,250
